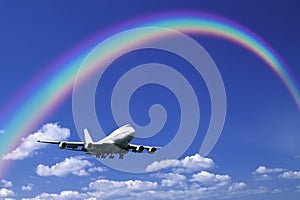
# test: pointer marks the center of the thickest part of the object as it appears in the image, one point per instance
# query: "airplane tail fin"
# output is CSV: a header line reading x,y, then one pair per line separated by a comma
x,y
87,137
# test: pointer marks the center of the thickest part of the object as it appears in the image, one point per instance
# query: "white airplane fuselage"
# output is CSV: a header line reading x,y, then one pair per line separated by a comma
x,y
121,136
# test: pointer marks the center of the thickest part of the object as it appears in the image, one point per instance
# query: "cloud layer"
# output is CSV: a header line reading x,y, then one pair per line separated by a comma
x,y
187,180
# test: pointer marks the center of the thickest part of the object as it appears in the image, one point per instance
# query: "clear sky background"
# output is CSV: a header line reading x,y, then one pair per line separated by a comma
x,y
257,155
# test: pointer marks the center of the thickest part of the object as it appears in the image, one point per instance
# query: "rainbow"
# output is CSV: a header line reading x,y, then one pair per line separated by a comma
x,y
30,108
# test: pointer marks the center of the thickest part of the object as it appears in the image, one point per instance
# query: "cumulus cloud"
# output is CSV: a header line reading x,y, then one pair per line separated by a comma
x,y
28,187
265,170
208,179
162,185
103,189
96,169
6,183
186,165
139,189
73,165
130,185
262,173
29,144
5,193
172,179
290,175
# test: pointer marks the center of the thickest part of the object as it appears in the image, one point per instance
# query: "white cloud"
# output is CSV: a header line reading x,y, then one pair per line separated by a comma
x,y
237,186
298,188
262,173
67,195
28,187
276,190
29,144
4,193
157,165
2,131
208,179
186,165
165,185
290,175
171,179
262,177
103,189
130,185
6,183
139,189
97,169
74,165
264,170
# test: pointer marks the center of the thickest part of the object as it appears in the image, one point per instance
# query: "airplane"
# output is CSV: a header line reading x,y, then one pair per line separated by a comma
x,y
115,143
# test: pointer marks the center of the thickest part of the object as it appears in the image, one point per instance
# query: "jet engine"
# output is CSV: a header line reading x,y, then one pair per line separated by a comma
x,y
90,145
139,149
62,145
152,150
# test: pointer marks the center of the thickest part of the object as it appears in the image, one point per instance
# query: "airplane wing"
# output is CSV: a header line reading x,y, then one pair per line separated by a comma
x,y
75,146
141,148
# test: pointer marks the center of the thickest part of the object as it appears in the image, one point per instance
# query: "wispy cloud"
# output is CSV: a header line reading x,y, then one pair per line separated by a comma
x,y
29,145
298,188
262,177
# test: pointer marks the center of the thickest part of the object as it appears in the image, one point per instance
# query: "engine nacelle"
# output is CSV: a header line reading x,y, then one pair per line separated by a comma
x,y
139,149
152,150
62,145
90,146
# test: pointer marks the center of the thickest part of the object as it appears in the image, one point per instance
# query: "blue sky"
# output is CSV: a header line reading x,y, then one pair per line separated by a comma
x,y
257,155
